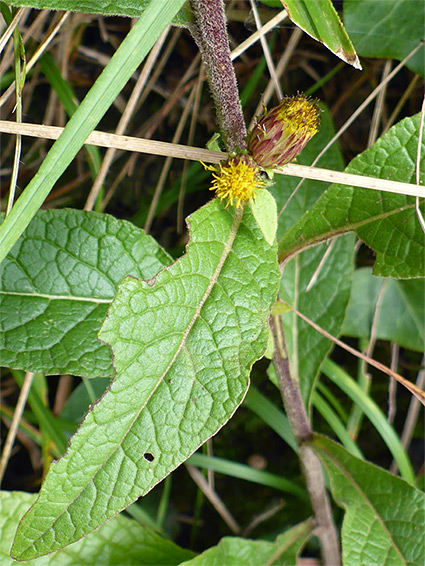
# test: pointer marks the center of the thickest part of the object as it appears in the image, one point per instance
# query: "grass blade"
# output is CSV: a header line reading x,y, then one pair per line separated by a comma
x,y
124,62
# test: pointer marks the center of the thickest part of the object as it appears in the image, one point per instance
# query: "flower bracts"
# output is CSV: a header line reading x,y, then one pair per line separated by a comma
x,y
282,132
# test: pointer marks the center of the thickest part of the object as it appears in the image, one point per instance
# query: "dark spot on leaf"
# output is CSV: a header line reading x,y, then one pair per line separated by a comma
x,y
149,456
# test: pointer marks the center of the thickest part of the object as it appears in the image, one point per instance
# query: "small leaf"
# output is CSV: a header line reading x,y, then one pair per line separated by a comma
x,y
280,307
386,222
57,283
234,551
321,21
387,29
401,311
265,213
183,347
385,516
120,541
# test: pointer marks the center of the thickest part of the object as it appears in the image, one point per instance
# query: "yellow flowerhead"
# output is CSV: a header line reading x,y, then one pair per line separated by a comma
x,y
236,180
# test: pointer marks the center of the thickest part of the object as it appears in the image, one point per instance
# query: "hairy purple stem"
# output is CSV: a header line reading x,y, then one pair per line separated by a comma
x,y
209,32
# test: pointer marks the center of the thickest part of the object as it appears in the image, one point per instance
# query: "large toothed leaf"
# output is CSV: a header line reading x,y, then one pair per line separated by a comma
x,y
387,29
183,347
235,551
384,515
57,283
120,541
386,222
324,303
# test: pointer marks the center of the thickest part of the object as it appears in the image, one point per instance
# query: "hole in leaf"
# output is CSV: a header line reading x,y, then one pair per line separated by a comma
x,y
149,456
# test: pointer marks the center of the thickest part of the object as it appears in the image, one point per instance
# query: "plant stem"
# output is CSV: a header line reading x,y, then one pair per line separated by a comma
x,y
312,470
209,32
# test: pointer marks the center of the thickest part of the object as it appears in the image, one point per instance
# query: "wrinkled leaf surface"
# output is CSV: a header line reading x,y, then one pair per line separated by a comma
x,y
183,347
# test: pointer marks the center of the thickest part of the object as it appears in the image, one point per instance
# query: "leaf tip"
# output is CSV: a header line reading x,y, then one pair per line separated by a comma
x,y
349,57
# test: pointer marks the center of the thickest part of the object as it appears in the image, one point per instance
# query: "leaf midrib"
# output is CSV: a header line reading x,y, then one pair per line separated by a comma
x,y
297,247
57,297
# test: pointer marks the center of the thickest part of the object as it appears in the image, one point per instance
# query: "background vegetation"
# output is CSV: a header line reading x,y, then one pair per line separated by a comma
x,y
246,481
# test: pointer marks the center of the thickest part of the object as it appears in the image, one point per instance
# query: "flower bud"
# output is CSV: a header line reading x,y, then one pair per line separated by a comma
x,y
280,135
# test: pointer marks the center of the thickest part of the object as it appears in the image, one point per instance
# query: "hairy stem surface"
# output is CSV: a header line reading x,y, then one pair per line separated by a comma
x,y
209,32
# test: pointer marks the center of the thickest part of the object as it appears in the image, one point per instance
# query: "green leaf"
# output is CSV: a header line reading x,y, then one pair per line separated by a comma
x,y
234,551
113,78
57,283
264,210
126,8
387,29
120,541
326,300
321,21
401,311
385,516
183,347
386,222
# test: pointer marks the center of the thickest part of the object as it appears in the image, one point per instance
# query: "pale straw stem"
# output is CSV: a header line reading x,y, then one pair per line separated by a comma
x,y
179,151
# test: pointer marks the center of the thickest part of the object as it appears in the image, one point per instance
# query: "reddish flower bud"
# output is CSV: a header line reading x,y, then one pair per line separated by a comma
x,y
280,135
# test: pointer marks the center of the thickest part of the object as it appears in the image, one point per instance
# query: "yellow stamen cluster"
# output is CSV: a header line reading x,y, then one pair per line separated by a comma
x,y
236,180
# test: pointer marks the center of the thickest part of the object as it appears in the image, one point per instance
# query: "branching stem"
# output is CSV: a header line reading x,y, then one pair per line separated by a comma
x,y
300,424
